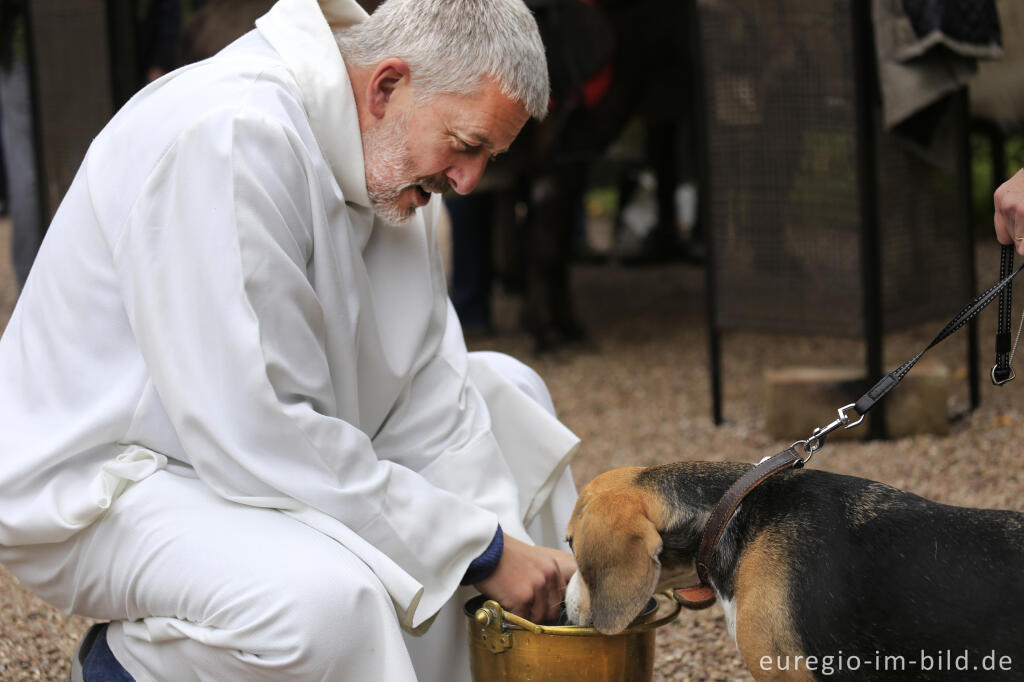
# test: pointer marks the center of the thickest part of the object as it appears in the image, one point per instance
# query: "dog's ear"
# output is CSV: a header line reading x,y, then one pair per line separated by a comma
x,y
618,548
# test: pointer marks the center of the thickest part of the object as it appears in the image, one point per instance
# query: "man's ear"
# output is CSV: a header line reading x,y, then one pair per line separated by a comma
x,y
384,79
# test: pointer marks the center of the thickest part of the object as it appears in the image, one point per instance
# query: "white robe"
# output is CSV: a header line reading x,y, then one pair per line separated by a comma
x,y
215,297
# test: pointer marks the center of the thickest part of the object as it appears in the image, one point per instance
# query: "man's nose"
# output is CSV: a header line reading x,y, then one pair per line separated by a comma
x,y
464,174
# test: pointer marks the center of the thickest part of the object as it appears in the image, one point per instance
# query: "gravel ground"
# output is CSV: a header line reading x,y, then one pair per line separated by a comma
x,y
639,395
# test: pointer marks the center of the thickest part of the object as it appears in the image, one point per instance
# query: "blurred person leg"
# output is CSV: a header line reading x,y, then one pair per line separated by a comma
x,y
3,172
19,160
472,270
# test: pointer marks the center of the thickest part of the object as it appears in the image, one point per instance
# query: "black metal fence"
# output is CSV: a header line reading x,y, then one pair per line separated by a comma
x,y
820,222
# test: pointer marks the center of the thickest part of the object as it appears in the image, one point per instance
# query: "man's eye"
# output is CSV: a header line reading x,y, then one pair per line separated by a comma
x,y
464,147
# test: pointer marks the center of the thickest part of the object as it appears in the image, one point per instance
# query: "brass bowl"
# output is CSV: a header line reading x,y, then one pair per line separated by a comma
x,y
504,647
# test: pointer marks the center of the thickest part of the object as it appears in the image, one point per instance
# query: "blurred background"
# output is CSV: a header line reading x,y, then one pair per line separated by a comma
x,y
737,215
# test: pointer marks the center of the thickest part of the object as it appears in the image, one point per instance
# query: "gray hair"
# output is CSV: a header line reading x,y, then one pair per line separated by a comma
x,y
451,46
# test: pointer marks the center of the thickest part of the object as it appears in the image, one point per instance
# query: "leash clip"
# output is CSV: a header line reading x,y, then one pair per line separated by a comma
x,y
816,441
1006,379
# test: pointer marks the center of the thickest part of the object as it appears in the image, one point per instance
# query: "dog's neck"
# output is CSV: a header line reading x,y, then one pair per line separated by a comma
x,y
691,493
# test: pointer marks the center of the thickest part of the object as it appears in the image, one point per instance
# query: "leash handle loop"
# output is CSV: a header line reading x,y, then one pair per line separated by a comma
x,y
1002,371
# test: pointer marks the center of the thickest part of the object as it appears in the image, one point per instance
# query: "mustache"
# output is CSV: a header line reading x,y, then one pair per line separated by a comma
x,y
436,185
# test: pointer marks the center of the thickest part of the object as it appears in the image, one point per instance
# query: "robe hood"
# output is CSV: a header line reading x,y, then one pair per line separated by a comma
x,y
320,72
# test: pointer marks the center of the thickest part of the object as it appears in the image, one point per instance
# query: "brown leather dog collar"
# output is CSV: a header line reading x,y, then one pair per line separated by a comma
x,y
702,595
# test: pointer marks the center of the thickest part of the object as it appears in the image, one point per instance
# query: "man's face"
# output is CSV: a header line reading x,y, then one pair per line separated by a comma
x,y
420,148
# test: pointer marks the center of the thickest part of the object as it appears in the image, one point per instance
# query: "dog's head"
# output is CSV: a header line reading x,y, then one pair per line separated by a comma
x,y
636,530
615,535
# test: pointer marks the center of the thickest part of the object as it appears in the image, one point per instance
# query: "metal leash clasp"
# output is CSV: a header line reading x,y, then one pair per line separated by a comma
x,y
999,382
1008,373
816,441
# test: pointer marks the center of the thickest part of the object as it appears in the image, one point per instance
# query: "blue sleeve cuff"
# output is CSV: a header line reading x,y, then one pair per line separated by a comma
x,y
484,565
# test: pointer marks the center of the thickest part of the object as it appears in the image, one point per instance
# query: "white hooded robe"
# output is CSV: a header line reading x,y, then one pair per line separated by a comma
x,y
215,298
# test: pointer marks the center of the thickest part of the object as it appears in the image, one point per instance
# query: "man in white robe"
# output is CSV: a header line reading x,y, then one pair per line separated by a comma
x,y
237,415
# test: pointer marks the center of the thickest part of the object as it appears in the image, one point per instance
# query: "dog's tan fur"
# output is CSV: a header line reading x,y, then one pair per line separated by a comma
x,y
615,572
764,624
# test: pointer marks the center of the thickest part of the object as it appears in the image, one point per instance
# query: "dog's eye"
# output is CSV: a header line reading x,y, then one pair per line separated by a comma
x,y
569,541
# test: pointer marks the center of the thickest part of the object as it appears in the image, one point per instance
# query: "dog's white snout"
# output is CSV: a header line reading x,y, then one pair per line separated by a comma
x,y
577,602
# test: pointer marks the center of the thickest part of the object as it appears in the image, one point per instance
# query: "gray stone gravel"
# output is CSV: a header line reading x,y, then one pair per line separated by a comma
x,y
639,395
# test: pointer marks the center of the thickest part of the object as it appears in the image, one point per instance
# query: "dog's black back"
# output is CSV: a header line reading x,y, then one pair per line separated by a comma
x,y
883,584
921,589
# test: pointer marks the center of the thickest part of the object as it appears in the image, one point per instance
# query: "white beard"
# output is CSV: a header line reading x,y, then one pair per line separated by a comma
x,y
389,170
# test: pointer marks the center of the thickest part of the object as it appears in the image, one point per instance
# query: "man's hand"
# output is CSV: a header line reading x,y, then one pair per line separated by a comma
x,y
1009,215
530,581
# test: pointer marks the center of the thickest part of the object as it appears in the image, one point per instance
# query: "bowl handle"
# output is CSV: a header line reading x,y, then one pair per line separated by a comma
x,y
491,616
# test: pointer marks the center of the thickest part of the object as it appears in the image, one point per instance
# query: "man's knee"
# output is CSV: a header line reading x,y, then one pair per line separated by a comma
x,y
331,613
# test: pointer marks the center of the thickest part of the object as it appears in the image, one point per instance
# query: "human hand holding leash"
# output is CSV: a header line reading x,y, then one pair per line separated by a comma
x,y
530,580
1009,212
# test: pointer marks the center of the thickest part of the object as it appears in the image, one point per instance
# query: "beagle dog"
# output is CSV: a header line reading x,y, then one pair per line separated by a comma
x,y
821,576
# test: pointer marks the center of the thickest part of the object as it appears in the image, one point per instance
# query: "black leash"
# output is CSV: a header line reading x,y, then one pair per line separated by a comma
x,y
1002,369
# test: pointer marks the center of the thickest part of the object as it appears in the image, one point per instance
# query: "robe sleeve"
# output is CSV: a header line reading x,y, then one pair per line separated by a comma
x,y
225,220
444,414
